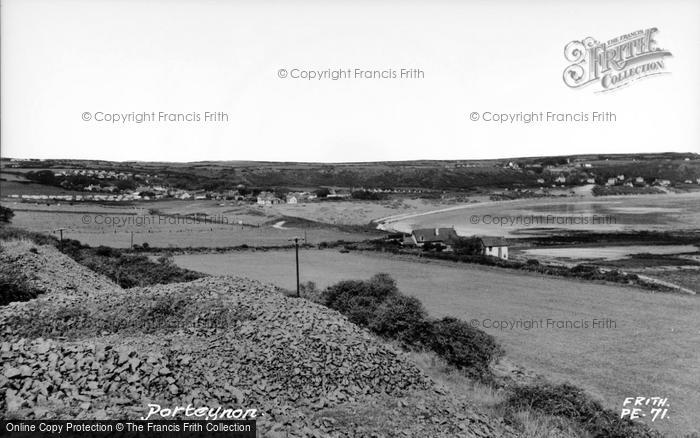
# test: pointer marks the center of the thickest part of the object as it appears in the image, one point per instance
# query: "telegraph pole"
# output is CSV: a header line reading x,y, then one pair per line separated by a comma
x,y
60,233
296,251
296,248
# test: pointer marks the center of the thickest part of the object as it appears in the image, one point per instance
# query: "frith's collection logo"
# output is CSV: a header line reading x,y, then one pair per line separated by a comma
x,y
615,63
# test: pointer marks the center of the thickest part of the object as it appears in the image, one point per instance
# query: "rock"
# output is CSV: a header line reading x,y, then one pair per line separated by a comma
x,y
11,373
43,347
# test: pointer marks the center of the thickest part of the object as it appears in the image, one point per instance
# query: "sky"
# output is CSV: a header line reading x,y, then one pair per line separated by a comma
x,y
67,65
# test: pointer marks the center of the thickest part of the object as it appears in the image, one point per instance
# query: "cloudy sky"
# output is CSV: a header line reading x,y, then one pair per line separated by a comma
x,y
62,59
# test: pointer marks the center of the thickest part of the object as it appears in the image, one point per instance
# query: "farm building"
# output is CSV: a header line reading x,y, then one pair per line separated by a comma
x,y
494,246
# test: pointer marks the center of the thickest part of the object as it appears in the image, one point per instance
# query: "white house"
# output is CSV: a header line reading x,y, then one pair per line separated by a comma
x,y
494,247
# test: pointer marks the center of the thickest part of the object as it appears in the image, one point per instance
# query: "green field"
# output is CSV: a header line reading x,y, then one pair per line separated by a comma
x,y
651,350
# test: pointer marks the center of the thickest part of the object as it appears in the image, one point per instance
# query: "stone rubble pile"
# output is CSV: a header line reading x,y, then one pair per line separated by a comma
x,y
215,342
53,272
49,379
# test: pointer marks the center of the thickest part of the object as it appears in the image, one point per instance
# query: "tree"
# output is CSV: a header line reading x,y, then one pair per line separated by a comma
x,y
323,192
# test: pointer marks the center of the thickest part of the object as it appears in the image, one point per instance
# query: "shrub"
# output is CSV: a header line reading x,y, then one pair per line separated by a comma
x,y
402,318
103,251
573,403
130,270
6,214
358,299
378,305
467,246
14,286
464,346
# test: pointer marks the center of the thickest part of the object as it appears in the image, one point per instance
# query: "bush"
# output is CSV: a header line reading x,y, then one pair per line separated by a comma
x,y
14,286
358,299
129,270
572,403
378,305
6,215
467,246
402,318
464,346
104,251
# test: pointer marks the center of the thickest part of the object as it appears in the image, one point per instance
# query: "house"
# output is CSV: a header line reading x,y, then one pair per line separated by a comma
x,y
436,236
268,198
590,180
291,199
494,247
639,180
611,182
561,179
540,180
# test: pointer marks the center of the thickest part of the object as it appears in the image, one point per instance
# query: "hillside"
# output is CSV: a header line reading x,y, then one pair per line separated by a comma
x,y
86,349
424,174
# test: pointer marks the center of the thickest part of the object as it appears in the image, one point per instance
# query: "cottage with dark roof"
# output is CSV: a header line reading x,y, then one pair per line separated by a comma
x,y
436,236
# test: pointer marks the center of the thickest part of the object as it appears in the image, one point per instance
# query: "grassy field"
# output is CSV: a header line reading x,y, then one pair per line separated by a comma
x,y
112,225
650,351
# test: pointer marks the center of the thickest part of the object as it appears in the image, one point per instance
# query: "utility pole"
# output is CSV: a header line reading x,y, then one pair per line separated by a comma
x,y
60,233
296,250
